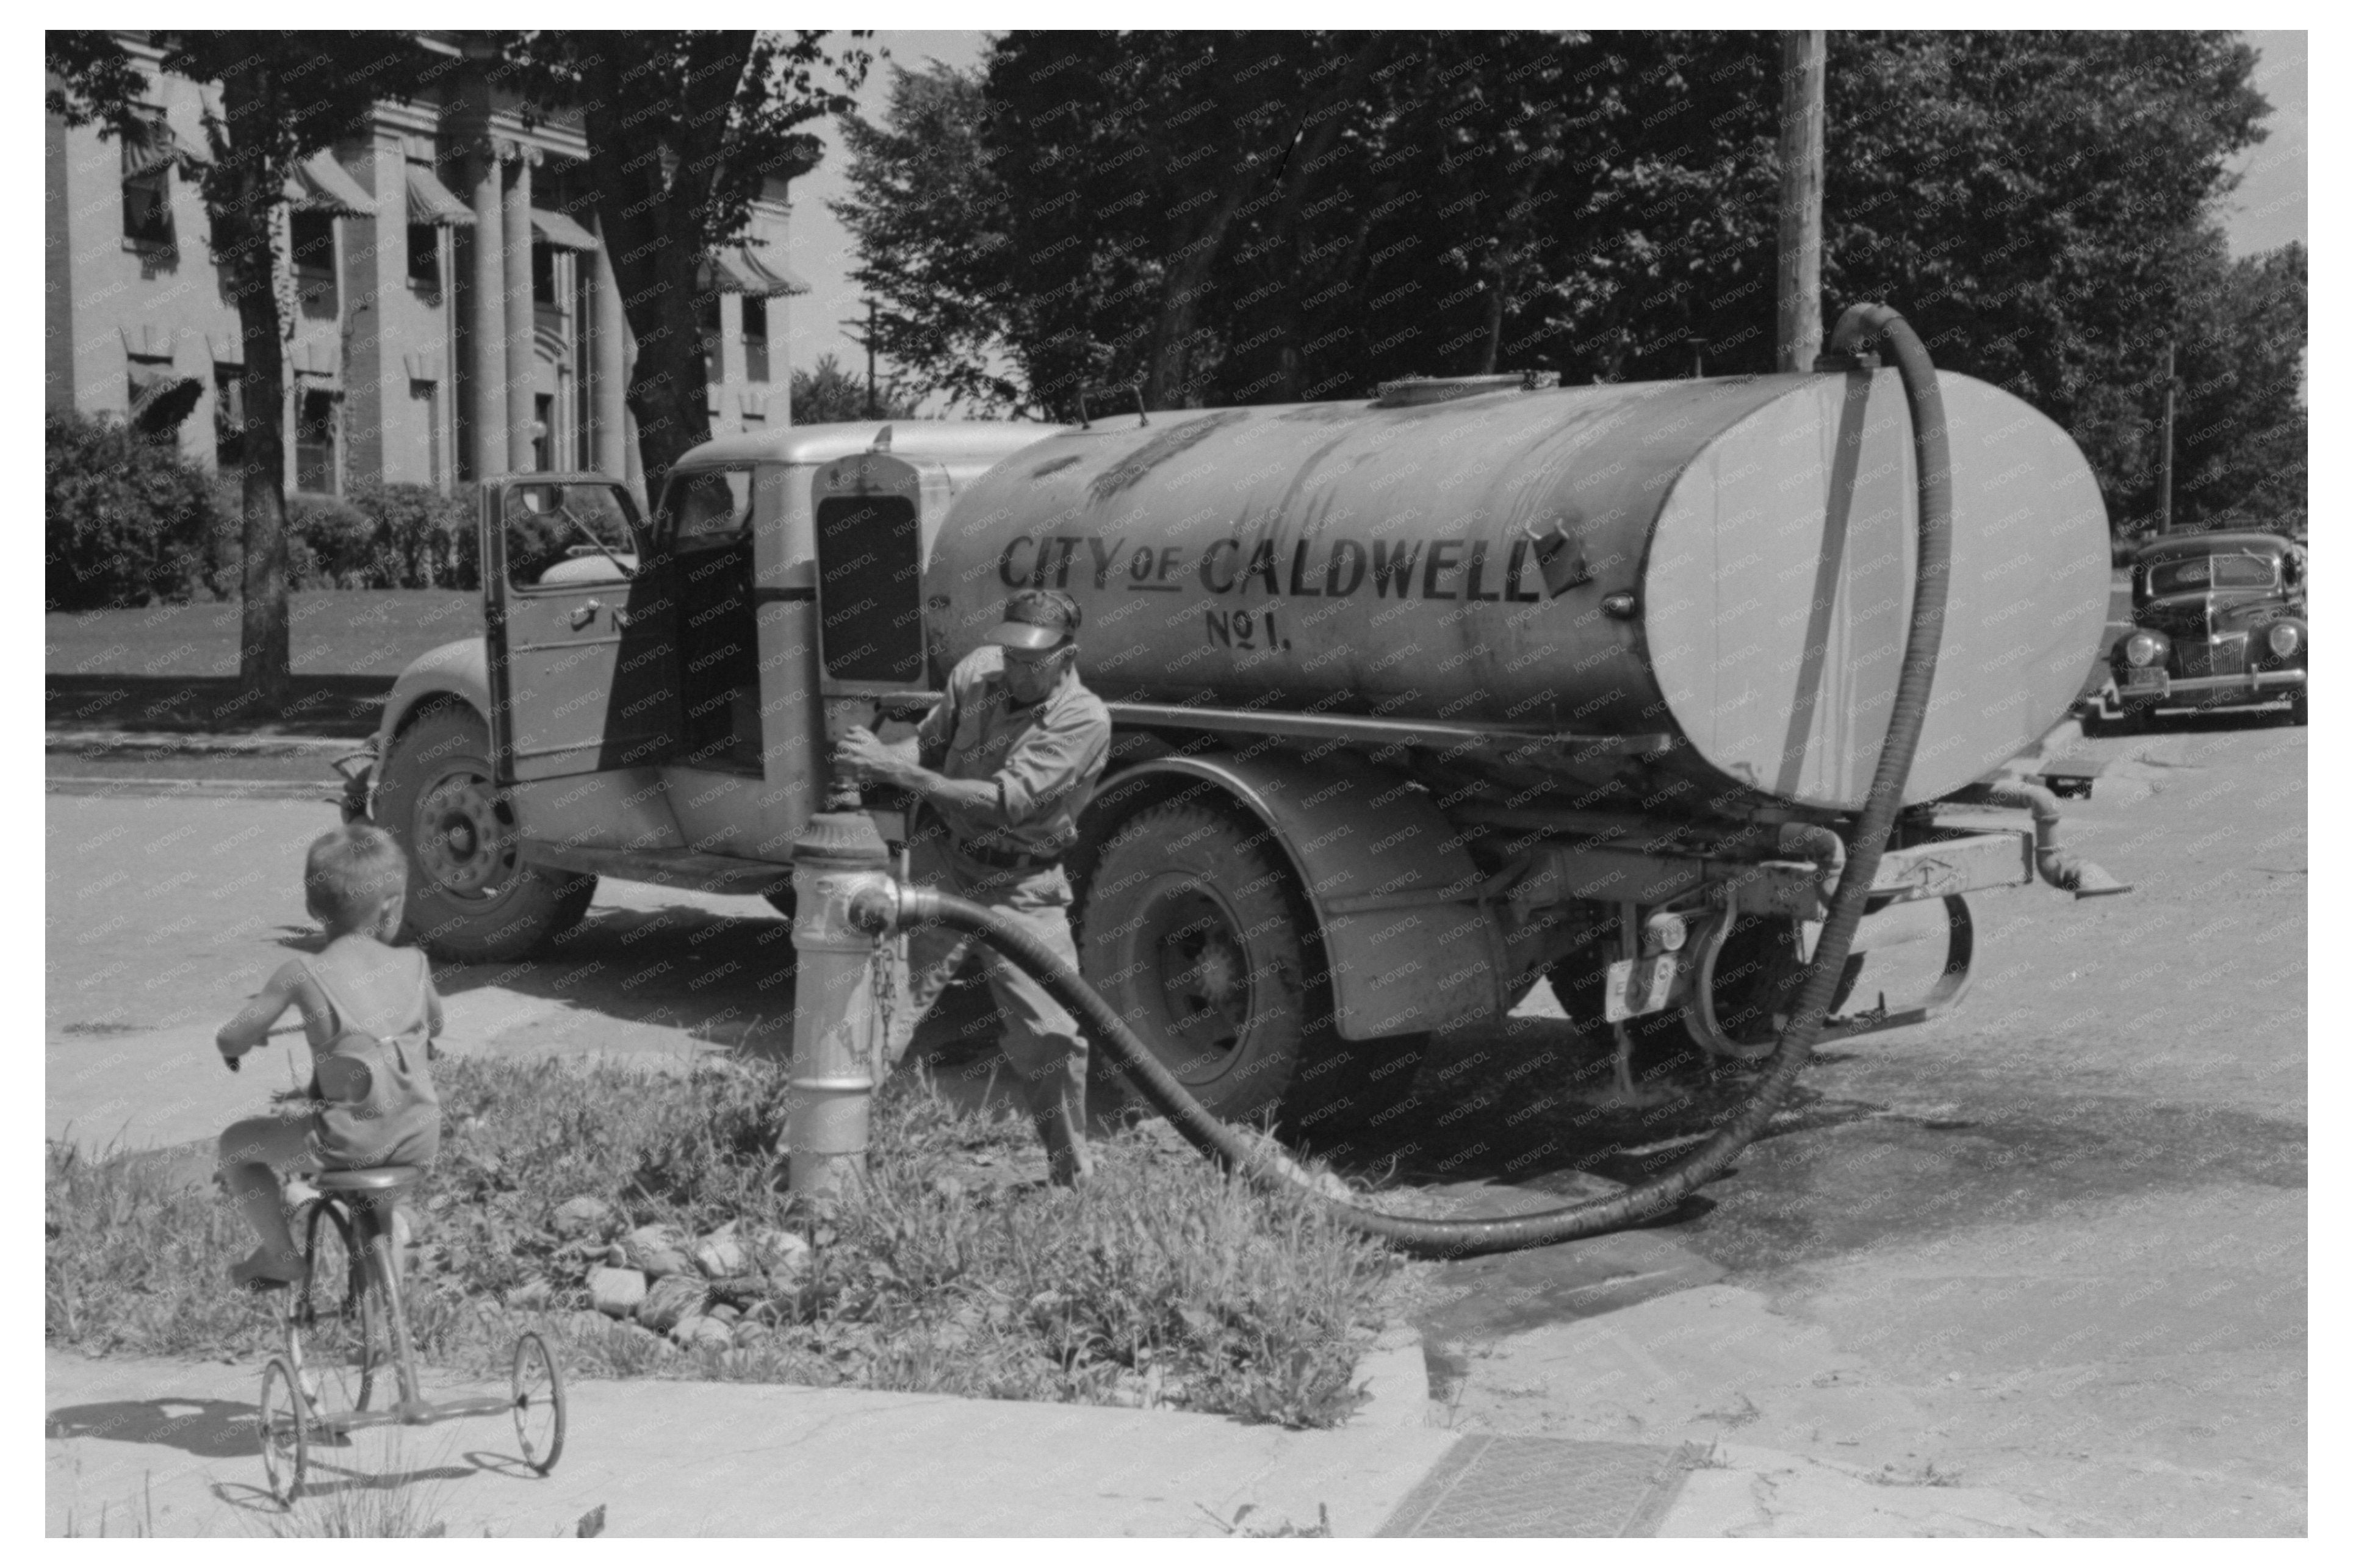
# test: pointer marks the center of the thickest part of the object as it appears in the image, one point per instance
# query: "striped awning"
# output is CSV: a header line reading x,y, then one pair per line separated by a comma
x,y
320,185
558,230
431,201
742,270
154,145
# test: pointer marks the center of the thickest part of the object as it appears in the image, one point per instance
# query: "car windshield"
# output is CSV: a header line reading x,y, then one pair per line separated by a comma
x,y
708,508
2201,573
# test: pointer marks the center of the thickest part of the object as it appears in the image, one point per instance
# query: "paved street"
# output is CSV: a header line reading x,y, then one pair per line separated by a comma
x,y
2052,1243
2051,1246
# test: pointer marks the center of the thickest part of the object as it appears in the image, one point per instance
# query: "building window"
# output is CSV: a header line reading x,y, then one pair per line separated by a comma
x,y
543,276
147,158
147,210
425,257
542,432
228,419
755,338
313,236
315,443
706,317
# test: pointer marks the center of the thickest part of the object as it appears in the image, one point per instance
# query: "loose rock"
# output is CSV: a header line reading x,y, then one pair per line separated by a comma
x,y
531,1293
671,1298
720,1254
657,1249
779,1252
584,1217
616,1292
699,1332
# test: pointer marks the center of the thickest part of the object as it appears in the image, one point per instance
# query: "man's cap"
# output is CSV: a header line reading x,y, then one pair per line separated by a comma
x,y
1037,619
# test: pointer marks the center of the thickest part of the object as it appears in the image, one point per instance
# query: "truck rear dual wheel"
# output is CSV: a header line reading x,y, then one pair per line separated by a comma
x,y
1193,930
472,898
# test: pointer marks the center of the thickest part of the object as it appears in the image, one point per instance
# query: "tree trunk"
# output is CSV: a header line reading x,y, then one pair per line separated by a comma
x,y
241,207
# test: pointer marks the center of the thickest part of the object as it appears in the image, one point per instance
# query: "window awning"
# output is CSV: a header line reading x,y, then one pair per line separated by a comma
x,y
741,269
161,397
154,147
558,230
320,185
431,201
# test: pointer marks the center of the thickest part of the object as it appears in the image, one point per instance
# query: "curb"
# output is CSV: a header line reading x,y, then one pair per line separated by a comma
x,y
85,742
1396,1378
192,789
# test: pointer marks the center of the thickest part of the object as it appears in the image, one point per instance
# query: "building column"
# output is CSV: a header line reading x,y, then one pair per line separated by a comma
x,y
609,351
521,373
486,349
375,403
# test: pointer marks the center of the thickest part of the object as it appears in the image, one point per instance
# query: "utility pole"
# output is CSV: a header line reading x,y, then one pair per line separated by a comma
x,y
866,341
1797,334
2165,452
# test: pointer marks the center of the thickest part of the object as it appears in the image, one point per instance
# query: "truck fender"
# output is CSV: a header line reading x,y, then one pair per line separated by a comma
x,y
1409,943
460,669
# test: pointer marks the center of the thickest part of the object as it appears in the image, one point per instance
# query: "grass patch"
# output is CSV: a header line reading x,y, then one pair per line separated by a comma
x,y
1162,1284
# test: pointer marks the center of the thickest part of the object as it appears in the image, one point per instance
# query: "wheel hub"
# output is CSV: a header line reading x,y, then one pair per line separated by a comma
x,y
461,839
1204,974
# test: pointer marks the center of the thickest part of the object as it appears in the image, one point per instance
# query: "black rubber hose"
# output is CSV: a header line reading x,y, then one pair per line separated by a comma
x,y
884,909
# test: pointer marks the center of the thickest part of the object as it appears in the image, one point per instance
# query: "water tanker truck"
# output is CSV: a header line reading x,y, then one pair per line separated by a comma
x,y
1419,700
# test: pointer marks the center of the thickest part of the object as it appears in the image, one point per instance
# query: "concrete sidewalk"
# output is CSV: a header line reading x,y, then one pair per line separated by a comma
x,y
167,1448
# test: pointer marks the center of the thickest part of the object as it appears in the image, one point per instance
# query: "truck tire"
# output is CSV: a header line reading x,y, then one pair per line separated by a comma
x,y
472,897
1193,934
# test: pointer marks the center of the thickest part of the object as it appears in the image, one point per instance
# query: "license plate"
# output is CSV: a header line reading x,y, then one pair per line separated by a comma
x,y
1638,985
2144,679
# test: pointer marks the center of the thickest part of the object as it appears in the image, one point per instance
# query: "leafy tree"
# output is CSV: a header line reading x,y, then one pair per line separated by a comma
x,y
2241,427
1226,219
283,96
828,394
684,129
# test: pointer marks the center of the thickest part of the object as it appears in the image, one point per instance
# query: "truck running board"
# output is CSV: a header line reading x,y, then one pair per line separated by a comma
x,y
694,868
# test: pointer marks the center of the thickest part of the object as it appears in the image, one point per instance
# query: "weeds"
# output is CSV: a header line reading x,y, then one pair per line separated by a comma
x,y
1162,1283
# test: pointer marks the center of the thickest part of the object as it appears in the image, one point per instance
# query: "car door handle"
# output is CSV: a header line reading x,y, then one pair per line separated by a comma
x,y
583,613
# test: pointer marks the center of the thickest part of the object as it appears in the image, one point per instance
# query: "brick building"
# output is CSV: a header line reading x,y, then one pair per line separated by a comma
x,y
453,315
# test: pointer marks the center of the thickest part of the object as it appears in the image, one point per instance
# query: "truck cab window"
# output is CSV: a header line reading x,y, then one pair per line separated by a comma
x,y
713,507
558,534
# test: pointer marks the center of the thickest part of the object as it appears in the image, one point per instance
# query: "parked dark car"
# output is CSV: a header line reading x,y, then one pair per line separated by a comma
x,y
2219,621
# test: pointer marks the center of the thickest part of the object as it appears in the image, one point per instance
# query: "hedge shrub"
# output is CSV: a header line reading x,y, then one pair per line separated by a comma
x,y
378,536
127,521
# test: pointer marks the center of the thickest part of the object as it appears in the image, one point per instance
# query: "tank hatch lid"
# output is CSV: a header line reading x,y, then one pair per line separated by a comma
x,y
1417,390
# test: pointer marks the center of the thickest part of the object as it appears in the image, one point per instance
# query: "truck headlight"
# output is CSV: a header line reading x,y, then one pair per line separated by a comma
x,y
2143,649
2285,639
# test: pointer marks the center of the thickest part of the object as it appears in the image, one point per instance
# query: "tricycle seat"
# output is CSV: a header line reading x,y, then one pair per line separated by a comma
x,y
369,1179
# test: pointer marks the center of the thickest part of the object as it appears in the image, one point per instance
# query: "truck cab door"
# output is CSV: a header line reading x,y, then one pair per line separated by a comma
x,y
582,638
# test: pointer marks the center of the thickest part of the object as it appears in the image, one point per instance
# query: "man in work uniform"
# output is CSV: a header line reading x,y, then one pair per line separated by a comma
x,y
1018,746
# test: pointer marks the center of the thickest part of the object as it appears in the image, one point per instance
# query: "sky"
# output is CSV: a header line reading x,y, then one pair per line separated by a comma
x,y
2268,209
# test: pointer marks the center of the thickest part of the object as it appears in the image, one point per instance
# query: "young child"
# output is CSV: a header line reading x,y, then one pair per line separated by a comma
x,y
354,882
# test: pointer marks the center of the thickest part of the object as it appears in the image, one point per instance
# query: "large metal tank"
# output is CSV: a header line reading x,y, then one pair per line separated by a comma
x,y
1725,563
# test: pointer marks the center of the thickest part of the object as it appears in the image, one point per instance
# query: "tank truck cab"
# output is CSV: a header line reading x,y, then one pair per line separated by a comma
x,y
644,701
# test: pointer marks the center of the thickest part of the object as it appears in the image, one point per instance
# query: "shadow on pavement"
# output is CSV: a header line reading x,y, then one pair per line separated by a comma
x,y
208,1429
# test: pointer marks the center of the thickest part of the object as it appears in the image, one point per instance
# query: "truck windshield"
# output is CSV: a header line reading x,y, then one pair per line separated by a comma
x,y
709,507
2201,573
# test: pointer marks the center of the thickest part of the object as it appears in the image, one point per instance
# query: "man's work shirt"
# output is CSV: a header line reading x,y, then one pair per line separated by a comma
x,y
1044,759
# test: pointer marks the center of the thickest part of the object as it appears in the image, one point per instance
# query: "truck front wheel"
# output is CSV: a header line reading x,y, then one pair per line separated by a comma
x,y
472,898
